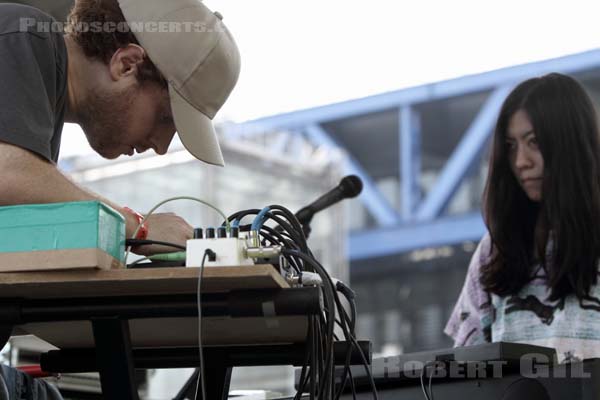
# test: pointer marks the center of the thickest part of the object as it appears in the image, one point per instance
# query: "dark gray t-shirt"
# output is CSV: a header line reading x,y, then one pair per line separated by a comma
x,y
33,80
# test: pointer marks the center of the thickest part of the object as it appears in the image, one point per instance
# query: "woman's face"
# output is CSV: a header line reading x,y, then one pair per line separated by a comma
x,y
526,161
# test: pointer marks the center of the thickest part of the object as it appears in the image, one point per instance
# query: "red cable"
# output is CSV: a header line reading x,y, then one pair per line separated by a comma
x,y
35,371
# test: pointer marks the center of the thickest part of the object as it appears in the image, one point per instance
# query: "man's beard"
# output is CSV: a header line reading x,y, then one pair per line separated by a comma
x,y
103,117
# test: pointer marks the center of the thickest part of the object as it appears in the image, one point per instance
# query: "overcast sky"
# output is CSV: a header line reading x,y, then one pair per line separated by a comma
x,y
300,54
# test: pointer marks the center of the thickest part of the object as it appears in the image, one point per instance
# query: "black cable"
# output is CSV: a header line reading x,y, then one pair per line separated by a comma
x,y
303,375
286,236
319,360
276,237
346,373
352,387
423,375
329,295
436,364
241,214
295,234
351,321
295,223
319,365
326,279
140,242
279,235
313,366
349,333
366,366
286,226
286,242
208,253
293,226
353,313
294,261
431,380
268,240
349,294
346,370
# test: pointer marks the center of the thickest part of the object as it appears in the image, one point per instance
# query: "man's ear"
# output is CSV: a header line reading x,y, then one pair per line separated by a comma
x,y
126,61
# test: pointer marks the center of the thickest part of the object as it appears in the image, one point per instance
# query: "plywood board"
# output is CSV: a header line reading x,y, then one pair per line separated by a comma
x,y
130,282
54,260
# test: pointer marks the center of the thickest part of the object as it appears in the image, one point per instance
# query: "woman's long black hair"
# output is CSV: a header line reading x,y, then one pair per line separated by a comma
x,y
568,215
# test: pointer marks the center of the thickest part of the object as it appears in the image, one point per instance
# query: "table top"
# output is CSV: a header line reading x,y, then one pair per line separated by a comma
x,y
155,332
139,281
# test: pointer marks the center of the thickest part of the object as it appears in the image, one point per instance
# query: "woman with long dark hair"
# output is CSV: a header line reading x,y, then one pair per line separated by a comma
x,y
533,277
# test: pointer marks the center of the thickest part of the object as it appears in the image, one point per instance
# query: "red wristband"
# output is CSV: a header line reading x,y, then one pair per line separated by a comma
x,y
142,232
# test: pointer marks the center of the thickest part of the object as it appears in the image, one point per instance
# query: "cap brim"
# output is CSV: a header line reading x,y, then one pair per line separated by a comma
x,y
195,130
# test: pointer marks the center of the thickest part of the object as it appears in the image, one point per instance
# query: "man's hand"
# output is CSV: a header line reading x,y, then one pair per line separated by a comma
x,y
27,178
165,227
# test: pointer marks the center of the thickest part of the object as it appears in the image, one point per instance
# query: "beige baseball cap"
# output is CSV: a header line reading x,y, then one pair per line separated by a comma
x,y
197,55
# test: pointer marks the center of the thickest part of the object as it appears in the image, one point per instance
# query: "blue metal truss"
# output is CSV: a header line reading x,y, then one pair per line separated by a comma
x,y
438,232
463,157
410,160
419,221
371,197
419,94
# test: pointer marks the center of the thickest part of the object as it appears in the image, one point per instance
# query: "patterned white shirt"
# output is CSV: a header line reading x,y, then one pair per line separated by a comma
x,y
571,327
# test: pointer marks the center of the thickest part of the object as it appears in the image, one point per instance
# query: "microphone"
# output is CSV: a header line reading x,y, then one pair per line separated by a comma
x,y
349,187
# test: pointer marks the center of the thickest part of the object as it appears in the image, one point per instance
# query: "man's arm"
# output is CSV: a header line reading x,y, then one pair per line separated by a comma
x,y
26,178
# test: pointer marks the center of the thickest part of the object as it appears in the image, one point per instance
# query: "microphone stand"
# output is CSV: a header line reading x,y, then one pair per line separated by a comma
x,y
306,229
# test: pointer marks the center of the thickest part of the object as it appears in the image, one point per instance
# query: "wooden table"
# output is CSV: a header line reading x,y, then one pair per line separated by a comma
x,y
152,332
116,314
125,282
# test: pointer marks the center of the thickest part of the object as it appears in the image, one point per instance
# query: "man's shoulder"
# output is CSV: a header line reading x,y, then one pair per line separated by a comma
x,y
19,18
26,30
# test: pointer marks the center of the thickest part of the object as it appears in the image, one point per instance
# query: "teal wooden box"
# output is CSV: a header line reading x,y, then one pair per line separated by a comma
x,y
87,234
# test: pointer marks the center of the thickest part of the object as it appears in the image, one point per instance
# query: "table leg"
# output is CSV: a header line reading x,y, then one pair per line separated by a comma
x,y
114,358
218,379
5,334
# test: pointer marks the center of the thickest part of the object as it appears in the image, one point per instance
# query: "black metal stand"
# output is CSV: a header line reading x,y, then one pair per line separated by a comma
x,y
83,360
219,375
115,360
219,361
188,391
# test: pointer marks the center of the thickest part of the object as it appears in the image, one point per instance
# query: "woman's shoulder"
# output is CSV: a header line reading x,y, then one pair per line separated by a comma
x,y
482,253
486,243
